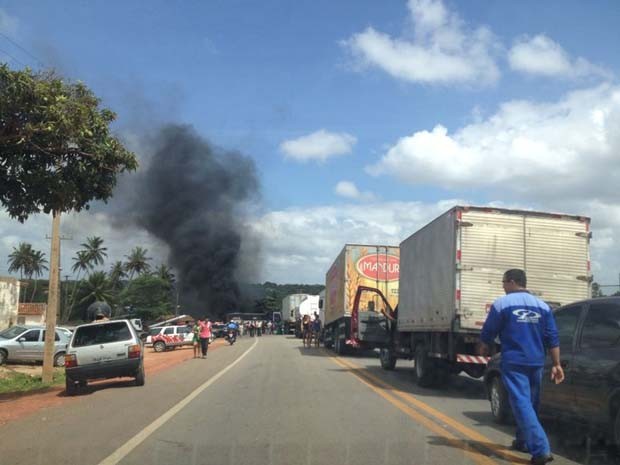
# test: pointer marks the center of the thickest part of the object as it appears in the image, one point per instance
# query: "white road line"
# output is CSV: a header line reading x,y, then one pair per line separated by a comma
x,y
134,442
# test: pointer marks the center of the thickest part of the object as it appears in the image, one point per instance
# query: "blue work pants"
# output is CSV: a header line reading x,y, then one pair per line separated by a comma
x,y
523,386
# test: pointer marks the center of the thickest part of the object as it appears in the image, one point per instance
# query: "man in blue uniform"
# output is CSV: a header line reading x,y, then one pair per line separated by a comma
x,y
526,327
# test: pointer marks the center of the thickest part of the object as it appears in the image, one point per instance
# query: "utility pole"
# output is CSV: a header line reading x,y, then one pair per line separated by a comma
x,y
52,301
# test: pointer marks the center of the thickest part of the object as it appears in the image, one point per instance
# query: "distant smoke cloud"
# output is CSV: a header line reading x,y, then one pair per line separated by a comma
x,y
192,197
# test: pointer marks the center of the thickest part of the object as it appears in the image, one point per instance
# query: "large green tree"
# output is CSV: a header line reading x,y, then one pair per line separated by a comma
x,y
97,288
149,296
57,153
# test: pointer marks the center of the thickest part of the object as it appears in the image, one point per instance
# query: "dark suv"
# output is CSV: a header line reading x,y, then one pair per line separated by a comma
x,y
589,334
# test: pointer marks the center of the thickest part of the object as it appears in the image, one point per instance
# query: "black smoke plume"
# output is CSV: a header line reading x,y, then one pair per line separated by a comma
x,y
192,196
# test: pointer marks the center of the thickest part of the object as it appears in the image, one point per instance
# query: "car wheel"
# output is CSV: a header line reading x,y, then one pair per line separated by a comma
x,y
159,346
140,376
388,359
3,356
425,376
70,387
59,360
500,408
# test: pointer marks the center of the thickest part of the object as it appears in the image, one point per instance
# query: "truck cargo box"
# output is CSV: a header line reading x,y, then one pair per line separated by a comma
x,y
360,265
451,269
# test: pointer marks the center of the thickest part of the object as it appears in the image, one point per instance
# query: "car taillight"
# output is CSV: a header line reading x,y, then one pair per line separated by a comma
x,y
70,360
134,351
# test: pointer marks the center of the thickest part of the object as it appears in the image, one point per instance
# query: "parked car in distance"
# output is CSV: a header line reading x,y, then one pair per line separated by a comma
x,y
219,330
109,349
589,333
25,343
68,332
170,337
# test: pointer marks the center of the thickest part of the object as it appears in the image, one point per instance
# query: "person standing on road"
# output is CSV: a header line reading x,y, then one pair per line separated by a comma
x,y
316,330
196,338
205,335
525,326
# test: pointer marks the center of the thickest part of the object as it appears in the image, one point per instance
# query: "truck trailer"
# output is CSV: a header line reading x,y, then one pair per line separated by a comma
x,y
357,265
295,307
451,272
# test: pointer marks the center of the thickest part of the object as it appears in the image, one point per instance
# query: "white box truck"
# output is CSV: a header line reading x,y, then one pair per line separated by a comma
x,y
294,307
376,266
451,272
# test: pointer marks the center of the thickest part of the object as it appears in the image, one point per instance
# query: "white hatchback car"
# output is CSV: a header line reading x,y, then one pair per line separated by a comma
x,y
109,349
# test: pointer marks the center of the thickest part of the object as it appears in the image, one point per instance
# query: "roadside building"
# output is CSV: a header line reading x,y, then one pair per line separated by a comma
x,y
31,313
9,301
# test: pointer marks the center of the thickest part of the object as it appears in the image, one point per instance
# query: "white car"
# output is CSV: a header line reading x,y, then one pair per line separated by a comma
x,y
170,337
26,343
109,349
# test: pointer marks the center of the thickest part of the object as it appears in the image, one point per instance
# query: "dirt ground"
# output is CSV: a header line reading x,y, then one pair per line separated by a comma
x,y
18,405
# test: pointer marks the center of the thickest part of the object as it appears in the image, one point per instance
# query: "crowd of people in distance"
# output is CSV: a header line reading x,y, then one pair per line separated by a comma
x,y
311,330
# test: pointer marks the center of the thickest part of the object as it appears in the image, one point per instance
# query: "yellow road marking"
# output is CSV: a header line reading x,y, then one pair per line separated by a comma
x,y
419,418
468,432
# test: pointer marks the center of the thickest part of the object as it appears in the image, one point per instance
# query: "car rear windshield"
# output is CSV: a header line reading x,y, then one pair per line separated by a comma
x,y
12,332
101,334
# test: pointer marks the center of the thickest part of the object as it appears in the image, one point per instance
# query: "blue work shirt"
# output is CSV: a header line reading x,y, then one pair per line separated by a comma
x,y
525,326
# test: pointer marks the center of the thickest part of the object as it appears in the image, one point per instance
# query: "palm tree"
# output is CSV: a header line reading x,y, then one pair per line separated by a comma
x,y
82,263
28,262
116,274
137,262
164,272
38,264
20,258
97,288
94,250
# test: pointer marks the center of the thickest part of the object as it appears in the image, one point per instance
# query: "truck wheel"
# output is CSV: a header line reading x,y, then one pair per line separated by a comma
x,y
424,368
339,345
159,346
387,357
500,409
328,340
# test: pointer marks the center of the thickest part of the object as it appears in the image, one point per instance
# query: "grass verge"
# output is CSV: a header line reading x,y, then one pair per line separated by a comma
x,y
20,382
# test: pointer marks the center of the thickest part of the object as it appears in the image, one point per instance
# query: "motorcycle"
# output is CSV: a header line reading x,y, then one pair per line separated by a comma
x,y
231,336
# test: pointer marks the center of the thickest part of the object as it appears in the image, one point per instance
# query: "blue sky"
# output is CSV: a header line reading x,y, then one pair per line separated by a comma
x,y
359,92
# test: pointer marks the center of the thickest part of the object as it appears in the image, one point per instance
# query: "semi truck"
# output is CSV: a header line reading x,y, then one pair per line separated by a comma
x,y
376,266
294,307
451,272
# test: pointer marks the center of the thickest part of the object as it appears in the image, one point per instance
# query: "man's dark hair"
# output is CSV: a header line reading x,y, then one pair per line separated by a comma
x,y
516,275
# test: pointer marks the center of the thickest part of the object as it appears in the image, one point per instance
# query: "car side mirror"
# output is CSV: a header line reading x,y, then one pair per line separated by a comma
x,y
21,339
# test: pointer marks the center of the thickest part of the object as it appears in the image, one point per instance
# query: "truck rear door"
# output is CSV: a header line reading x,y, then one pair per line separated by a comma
x,y
552,249
488,244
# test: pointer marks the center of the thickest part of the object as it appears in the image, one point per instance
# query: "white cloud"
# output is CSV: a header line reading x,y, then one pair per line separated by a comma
x,y
349,190
443,49
319,145
299,244
8,23
537,151
542,56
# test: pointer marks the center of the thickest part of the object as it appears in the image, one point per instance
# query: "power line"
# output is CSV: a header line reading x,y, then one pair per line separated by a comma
x,y
22,49
12,57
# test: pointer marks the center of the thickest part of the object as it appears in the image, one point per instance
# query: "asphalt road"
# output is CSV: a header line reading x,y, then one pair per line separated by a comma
x,y
269,401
